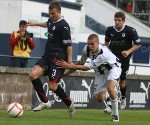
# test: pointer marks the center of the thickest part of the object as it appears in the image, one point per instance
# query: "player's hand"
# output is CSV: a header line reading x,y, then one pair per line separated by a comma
x,y
70,62
31,24
61,64
125,53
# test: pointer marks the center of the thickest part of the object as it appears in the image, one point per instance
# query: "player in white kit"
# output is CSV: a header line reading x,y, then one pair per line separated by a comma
x,y
107,71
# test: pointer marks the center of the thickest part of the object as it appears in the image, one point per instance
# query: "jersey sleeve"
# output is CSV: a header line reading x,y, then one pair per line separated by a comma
x,y
48,22
107,34
66,37
135,37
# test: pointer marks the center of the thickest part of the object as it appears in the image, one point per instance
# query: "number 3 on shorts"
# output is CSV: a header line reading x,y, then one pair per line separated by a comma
x,y
54,73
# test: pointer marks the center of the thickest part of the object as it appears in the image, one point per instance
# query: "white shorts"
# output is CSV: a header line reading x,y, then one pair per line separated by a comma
x,y
101,81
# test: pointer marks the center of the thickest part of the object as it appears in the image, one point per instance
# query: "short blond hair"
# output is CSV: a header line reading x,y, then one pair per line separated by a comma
x,y
93,36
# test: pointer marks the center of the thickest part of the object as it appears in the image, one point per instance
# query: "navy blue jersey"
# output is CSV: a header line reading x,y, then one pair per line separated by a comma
x,y
59,39
121,40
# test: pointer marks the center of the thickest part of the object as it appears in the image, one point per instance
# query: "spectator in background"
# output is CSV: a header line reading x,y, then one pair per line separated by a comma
x,y
129,7
22,44
147,6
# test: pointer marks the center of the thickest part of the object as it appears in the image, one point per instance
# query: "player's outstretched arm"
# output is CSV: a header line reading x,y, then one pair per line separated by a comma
x,y
64,64
70,71
43,24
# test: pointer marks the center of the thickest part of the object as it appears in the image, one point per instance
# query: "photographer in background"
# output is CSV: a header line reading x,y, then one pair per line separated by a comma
x,y
22,44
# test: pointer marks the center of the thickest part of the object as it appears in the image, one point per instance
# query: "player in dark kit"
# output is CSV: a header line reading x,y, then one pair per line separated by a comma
x,y
58,47
122,40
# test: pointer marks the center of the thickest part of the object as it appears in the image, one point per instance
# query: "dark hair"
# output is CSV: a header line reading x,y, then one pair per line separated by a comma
x,y
92,36
120,15
55,4
22,22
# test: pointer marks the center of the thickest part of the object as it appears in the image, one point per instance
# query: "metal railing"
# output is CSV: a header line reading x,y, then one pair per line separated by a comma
x,y
37,58
5,60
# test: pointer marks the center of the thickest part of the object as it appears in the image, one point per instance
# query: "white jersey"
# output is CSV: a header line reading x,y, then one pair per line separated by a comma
x,y
105,64
102,61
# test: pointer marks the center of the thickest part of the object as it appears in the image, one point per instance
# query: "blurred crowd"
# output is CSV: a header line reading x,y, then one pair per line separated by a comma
x,y
138,8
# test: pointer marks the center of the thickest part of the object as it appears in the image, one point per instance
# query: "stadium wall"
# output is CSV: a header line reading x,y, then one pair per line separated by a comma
x,y
15,86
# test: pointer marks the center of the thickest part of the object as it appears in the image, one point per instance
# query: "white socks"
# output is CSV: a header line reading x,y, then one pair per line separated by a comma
x,y
114,104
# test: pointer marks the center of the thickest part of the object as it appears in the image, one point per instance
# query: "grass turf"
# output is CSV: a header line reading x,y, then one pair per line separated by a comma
x,y
82,117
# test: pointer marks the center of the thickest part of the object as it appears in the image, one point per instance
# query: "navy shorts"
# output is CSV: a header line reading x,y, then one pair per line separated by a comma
x,y
50,69
125,67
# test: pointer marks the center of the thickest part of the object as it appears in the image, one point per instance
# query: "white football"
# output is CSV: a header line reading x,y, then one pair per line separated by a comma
x,y
15,110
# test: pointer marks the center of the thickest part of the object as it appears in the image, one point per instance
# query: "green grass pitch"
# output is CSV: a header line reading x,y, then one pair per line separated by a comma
x,y
82,117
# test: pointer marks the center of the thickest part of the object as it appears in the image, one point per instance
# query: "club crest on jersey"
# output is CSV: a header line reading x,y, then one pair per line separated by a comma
x,y
123,34
112,34
54,27
66,28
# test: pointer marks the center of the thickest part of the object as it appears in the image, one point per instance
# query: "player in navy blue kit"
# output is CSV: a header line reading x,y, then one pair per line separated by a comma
x,y
58,46
122,40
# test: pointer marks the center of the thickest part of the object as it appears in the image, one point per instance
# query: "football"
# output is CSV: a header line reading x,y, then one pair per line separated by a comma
x,y
15,110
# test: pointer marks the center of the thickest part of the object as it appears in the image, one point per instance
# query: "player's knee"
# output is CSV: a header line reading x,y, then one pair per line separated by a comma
x,y
36,72
32,75
111,90
101,97
53,86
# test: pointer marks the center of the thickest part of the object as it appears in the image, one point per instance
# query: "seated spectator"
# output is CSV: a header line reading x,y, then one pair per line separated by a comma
x,y
22,44
129,7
